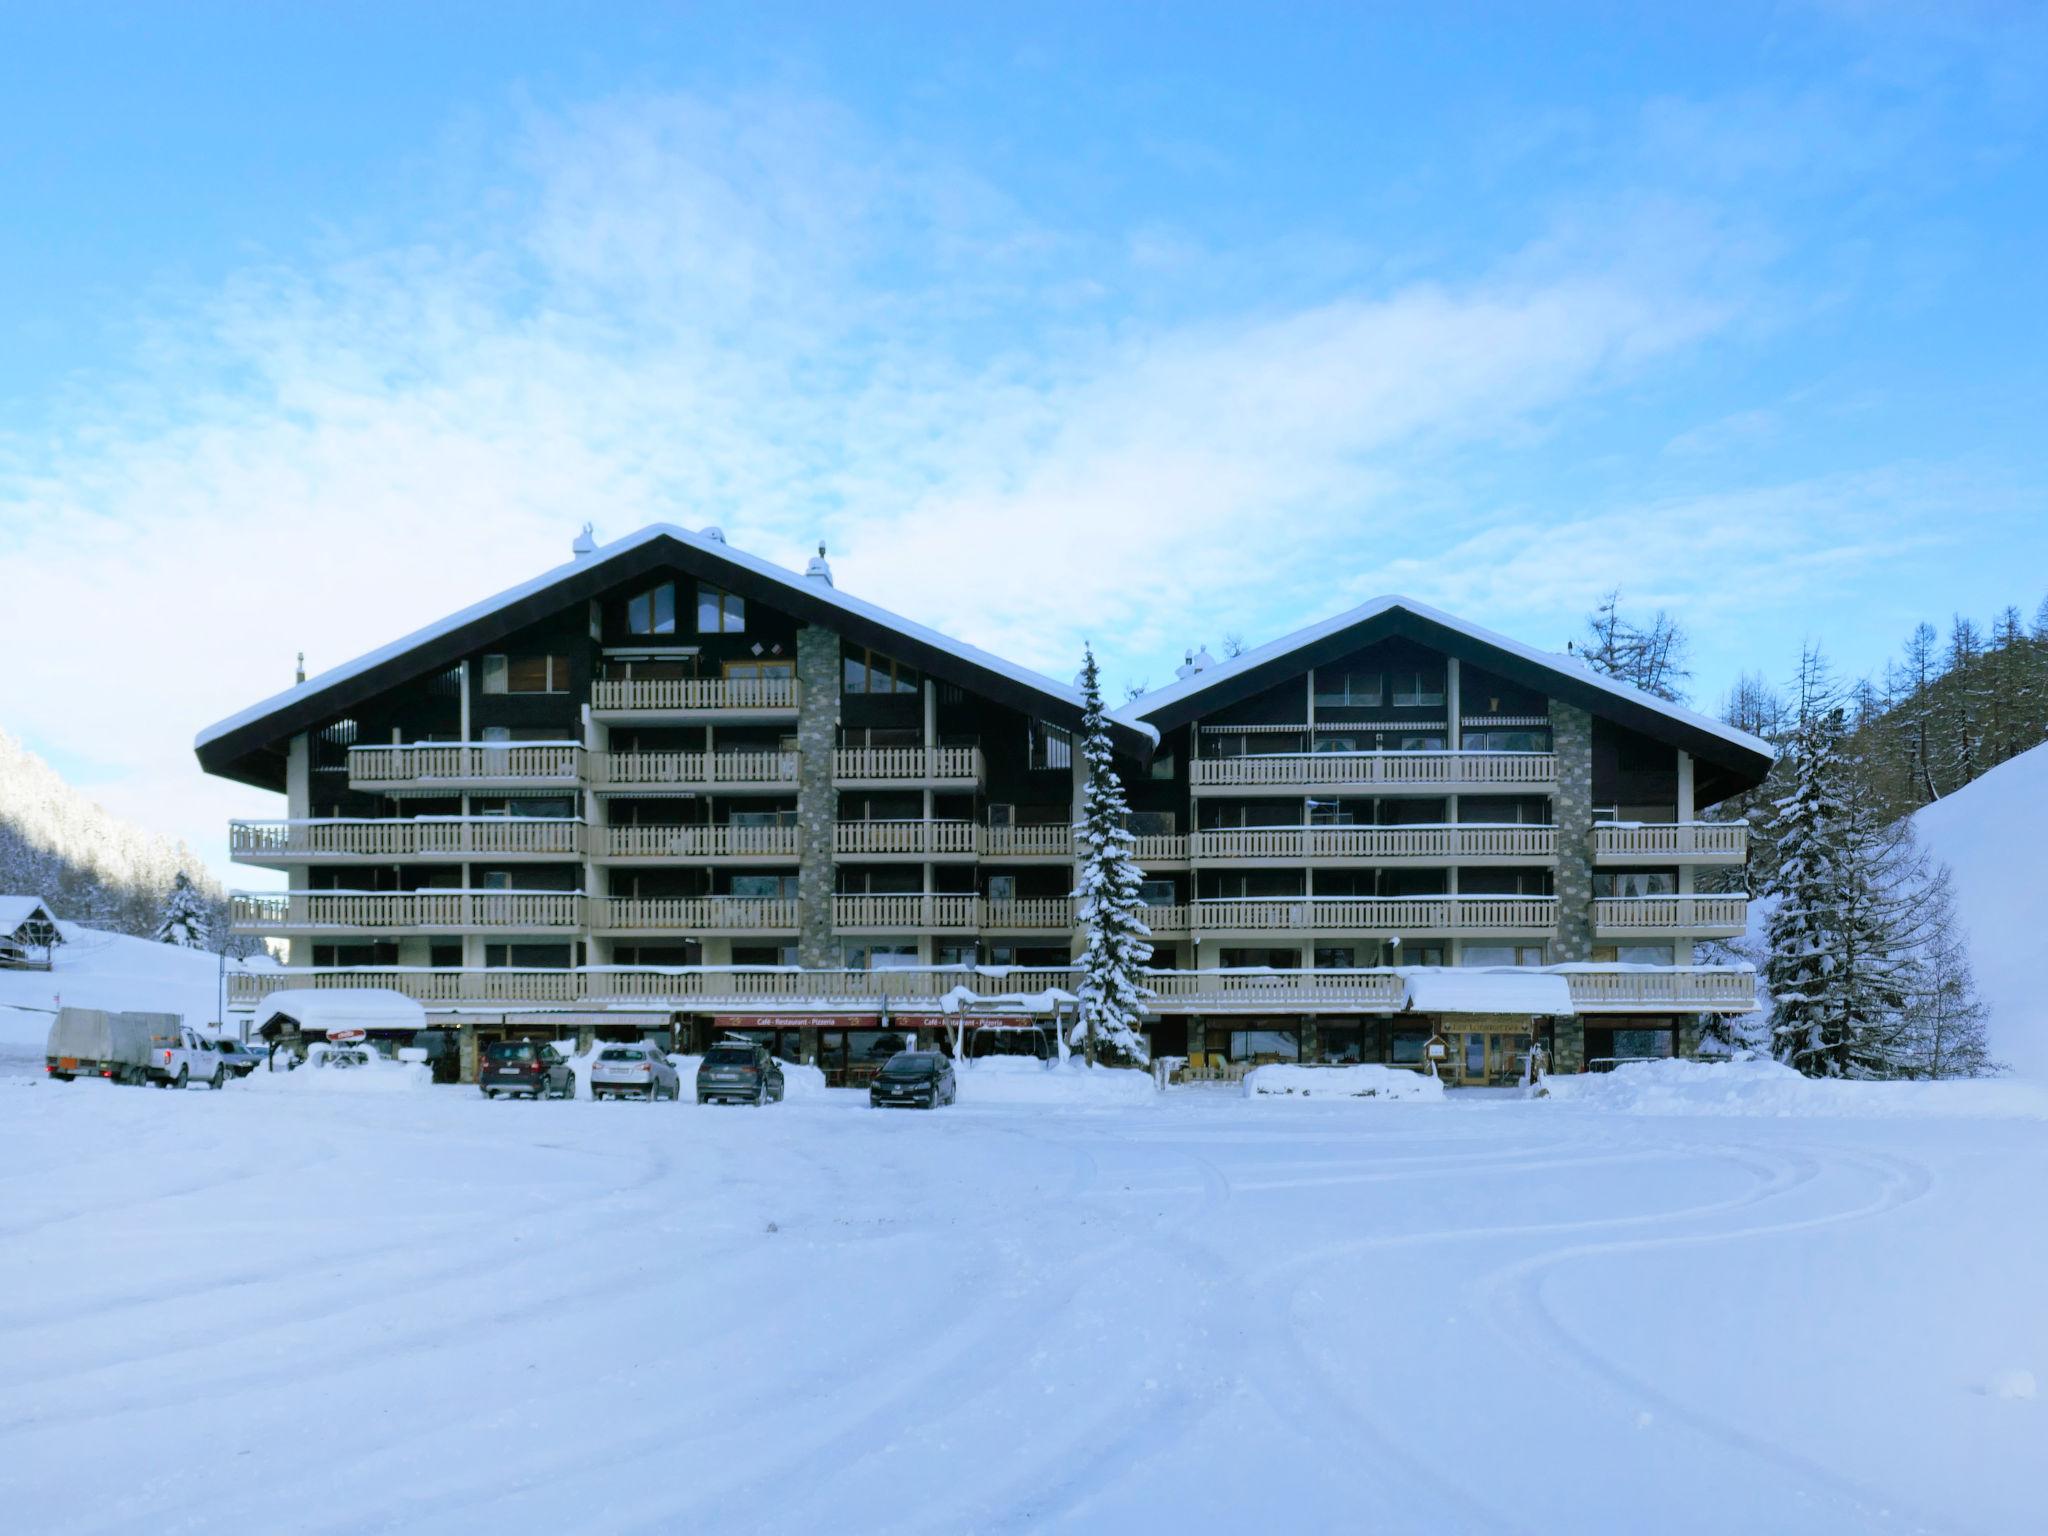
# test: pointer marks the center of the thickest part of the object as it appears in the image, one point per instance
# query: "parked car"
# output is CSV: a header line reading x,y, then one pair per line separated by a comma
x,y
739,1072
922,1079
637,1071
238,1058
530,1069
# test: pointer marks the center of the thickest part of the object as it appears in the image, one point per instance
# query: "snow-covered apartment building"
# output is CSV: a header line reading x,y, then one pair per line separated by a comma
x,y
673,786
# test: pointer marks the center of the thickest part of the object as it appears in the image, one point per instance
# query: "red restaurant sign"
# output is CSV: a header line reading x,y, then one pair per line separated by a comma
x,y
871,1021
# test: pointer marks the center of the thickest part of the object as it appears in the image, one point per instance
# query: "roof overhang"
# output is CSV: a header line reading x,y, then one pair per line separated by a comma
x,y
251,746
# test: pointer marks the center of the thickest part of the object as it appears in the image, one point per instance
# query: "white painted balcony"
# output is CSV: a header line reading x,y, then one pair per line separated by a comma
x,y
1288,772
1517,916
442,768
1156,850
399,841
656,773
1684,842
908,766
701,698
1420,845
1169,922
710,844
1630,989
907,913
906,839
1260,991
1719,917
1054,840
1038,914
431,911
685,915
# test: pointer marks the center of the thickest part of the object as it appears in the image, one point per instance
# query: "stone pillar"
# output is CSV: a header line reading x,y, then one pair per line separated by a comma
x,y
817,803
1570,1052
465,1052
1311,1039
1571,731
1688,1041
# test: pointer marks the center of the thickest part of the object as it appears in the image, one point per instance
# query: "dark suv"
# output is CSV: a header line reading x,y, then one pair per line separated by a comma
x,y
739,1072
920,1078
531,1068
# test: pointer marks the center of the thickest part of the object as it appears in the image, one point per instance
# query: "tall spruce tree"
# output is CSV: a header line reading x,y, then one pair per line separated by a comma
x,y
1109,897
186,920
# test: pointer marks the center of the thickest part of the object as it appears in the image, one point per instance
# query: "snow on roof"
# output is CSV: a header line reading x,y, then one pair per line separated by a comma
x,y
324,1011
16,910
1485,989
767,570
1555,661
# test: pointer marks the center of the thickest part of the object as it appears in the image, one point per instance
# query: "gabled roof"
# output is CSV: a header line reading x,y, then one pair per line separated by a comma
x,y
16,910
1744,757
249,745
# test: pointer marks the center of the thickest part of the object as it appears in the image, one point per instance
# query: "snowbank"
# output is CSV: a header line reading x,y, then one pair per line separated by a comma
x,y
1356,1082
1993,836
1768,1088
379,1076
1020,1080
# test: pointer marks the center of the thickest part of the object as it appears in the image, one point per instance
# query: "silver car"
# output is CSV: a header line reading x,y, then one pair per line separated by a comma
x,y
634,1071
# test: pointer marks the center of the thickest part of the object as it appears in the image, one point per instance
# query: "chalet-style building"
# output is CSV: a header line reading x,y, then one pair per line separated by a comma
x,y
671,786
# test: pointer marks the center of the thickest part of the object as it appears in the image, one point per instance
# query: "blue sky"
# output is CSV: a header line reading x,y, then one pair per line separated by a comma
x,y
1148,324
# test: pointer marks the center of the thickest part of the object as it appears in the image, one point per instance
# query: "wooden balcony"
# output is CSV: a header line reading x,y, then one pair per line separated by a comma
x,y
1691,842
1594,990
1625,990
907,839
1375,845
710,845
909,767
660,773
907,914
1169,922
1714,917
1160,850
693,915
443,768
1053,840
401,841
1030,914
1516,916
386,912
695,698
1431,772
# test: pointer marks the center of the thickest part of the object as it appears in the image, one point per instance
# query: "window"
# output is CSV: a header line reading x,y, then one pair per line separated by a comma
x,y
526,674
528,956
720,612
1162,766
1149,823
761,671
1419,954
1414,689
764,954
765,887
870,672
1635,882
653,612
1050,746
1156,893
1506,741
1501,954
953,954
1505,811
1340,741
1414,741
1346,689
880,957
1266,1045
1333,813
1336,957
1633,954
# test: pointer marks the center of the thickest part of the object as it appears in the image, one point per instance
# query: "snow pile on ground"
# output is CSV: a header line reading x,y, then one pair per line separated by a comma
x,y
1993,835
1022,1080
1760,1087
802,1082
1282,1080
376,1076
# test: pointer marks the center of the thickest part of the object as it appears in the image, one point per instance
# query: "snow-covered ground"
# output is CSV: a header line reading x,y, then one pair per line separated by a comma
x,y
1643,1307
1993,835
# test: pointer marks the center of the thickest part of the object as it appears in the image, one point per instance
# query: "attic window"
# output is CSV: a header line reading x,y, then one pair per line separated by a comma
x,y
720,612
652,612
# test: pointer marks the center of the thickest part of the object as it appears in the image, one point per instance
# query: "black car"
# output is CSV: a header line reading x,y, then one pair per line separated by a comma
x,y
739,1072
529,1068
923,1079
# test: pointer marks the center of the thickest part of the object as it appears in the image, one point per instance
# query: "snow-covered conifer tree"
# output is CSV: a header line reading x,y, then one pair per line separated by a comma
x,y
185,920
1110,902
1945,1018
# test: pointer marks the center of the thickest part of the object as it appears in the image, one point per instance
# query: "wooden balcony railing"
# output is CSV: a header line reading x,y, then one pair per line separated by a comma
x,y
945,911
721,695
497,837
921,765
694,914
930,838
1594,990
1723,916
1044,913
1400,914
1423,844
451,765
1402,770
630,772
1156,848
1053,840
1677,842
715,842
1168,921
434,911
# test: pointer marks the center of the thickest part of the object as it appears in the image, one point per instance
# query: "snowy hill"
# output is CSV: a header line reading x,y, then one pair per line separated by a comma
x,y
1993,834
50,815
92,969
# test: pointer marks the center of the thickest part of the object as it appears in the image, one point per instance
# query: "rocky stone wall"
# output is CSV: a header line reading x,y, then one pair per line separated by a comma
x,y
817,802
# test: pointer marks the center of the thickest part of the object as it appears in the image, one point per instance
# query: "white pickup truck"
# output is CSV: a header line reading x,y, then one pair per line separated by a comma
x,y
191,1059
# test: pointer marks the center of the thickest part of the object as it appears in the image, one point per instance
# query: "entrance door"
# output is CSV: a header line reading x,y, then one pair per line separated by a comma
x,y
1487,1058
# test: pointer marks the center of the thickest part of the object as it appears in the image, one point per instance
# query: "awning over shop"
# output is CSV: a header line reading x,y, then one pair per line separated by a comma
x,y
1503,990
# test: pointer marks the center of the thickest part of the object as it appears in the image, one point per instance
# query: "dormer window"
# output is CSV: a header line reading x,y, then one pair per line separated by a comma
x,y
652,612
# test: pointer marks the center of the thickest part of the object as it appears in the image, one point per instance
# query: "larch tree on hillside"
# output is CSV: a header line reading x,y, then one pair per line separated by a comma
x,y
1110,902
186,920
1652,657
